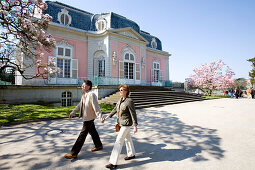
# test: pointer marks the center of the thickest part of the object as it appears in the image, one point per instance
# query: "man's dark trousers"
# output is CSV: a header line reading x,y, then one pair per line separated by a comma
x,y
88,127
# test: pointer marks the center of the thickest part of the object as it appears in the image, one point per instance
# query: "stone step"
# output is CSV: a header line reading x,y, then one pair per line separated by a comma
x,y
162,97
159,98
162,104
160,94
147,96
163,93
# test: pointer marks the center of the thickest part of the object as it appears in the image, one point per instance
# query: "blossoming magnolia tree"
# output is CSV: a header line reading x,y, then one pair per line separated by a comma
x,y
23,35
211,76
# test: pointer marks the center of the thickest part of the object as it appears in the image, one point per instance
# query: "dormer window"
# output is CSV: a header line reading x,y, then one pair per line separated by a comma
x,y
64,17
153,43
101,24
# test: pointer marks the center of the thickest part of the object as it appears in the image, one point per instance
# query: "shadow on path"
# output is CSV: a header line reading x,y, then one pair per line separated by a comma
x,y
169,139
161,136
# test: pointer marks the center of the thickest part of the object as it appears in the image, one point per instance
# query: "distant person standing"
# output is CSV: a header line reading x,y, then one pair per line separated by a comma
x,y
236,93
231,91
249,92
240,93
252,93
89,110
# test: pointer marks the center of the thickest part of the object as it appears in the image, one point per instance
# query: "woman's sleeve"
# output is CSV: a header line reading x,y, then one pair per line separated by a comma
x,y
131,107
113,111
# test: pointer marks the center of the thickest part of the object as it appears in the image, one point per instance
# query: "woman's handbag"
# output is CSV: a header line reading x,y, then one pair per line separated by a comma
x,y
117,127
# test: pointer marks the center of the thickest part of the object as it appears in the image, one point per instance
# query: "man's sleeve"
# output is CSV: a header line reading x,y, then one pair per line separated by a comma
x,y
76,109
96,106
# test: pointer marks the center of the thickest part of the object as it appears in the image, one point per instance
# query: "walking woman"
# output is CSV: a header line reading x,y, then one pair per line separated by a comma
x,y
126,117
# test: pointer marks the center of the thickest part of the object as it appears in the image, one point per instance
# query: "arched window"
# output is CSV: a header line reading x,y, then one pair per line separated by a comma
x,y
64,17
129,65
66,99
129,56
99,64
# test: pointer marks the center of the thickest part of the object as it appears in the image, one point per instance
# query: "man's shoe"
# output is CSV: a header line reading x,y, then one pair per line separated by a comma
x,y
70,156
128,158
110,166
97,149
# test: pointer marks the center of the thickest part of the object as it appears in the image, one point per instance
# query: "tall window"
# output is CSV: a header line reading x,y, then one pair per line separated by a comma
x,y
66,98
156,72
64,62
129,70
101,68
129,66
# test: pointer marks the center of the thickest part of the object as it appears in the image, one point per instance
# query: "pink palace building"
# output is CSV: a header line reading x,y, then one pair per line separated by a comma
x,y
107,48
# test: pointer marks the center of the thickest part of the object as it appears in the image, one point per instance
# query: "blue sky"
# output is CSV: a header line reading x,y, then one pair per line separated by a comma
x,y
194,32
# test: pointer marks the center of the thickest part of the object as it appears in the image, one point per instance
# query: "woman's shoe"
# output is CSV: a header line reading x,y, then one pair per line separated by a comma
x,y
110,166
129,157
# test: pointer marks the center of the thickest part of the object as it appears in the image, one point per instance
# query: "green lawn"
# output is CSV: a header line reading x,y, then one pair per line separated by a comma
x,y
28,112
216,96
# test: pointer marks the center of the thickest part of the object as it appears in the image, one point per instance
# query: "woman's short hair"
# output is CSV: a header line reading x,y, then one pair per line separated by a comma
x,y
126,87
88,83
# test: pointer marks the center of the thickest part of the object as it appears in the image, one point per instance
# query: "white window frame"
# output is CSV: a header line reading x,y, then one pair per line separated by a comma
x,y
74,68
67,99
156,70
137,71
132,61
130,72
64,58
101,69
73,79
99,56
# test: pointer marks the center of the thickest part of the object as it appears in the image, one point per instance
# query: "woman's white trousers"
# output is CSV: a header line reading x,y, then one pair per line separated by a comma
x,y
124,134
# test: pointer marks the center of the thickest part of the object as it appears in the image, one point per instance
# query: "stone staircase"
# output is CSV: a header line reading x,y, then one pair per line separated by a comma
x,y
152,97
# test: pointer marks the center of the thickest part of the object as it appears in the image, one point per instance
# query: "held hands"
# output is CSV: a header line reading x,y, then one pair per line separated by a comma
x,y
70,115
135,129
105,118
102,120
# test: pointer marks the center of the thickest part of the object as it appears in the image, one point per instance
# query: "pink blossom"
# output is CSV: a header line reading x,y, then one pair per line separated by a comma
x,y
210,76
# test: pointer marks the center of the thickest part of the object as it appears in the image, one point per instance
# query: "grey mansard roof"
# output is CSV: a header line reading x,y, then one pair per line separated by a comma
x,y
87,21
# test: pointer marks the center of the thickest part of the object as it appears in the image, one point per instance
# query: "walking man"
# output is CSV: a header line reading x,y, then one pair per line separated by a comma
x,y
89,110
